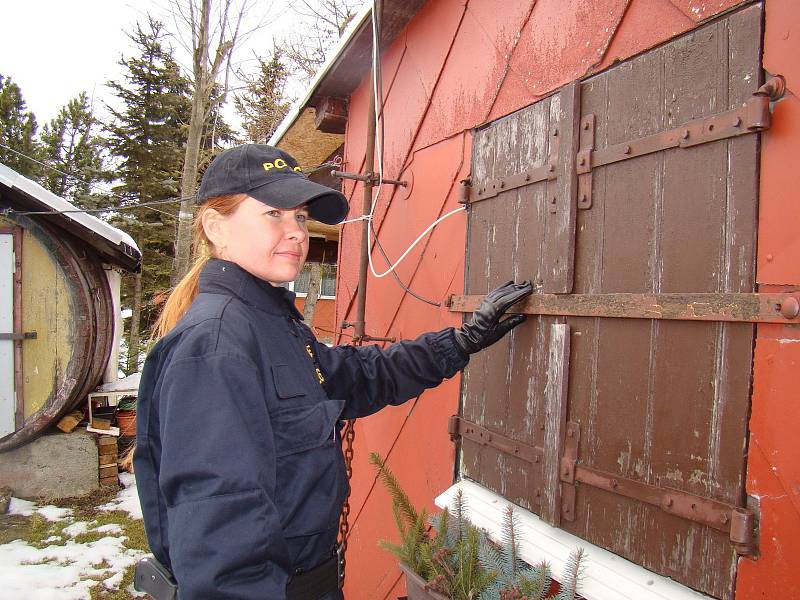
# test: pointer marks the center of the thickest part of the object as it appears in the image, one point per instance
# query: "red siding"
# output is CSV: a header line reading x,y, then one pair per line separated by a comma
x,y
458,64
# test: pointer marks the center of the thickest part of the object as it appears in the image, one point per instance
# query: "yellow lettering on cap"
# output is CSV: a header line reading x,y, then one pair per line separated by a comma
x,y
267,166
280,164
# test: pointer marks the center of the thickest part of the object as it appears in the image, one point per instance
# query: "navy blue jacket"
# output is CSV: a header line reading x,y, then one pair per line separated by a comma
x,y
238,459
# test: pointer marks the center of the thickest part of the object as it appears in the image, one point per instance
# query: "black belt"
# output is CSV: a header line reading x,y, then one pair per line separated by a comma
x,y
323,579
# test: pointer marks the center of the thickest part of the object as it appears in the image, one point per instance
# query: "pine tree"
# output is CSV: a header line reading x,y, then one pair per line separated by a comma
x,y
70,144
148,133
17,130
263,104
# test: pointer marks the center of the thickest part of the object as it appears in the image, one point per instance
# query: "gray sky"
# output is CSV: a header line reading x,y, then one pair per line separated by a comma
x,y
55,49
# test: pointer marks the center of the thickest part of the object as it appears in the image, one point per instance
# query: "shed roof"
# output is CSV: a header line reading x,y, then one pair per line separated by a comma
x,y
113,244
350,61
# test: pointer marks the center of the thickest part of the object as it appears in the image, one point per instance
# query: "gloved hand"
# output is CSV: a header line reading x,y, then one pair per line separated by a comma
x,y
485,327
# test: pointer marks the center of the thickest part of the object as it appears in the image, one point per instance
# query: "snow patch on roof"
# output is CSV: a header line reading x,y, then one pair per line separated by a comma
x,y
14,180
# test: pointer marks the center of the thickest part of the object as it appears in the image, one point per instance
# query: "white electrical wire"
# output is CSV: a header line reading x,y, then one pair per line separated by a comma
x,y
379,147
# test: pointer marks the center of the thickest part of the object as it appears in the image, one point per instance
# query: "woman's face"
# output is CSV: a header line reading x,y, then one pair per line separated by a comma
x,y
269,243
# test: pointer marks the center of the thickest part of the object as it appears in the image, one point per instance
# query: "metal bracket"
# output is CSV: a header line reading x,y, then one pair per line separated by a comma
x,y
753,116
28,335
461,428
493,187
737,521
369,177
584,159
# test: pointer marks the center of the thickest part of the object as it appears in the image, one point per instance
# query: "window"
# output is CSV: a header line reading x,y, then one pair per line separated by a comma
x,y
626,429
328,284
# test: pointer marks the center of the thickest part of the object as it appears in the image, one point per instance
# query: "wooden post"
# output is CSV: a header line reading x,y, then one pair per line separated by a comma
x,y
555,393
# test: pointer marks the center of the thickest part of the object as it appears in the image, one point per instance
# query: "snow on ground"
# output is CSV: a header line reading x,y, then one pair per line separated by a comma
x,y
62,570
127,499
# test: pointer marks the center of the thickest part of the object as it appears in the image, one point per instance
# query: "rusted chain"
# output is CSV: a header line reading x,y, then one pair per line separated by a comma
x,y
348,436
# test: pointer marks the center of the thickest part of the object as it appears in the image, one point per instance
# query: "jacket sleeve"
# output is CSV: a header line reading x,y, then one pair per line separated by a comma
x,y
217,476
369,378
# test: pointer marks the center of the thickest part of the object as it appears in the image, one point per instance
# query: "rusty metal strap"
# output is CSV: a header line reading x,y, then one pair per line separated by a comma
x,y
459,427
493,187
721,516
738,522
730,307
751,117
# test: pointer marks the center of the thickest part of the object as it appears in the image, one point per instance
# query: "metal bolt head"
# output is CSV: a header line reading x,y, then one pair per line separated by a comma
x,y
790,308
551,167
571,433
555,132
669,502
627,150
685,134
586,125
614,483
737,122
724,518
502,184
582,161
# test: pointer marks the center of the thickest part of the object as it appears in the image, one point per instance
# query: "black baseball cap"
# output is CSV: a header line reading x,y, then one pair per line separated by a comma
x,y
273,177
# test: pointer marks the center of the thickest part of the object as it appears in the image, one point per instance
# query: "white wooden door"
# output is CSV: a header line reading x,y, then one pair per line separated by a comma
x,y
7,396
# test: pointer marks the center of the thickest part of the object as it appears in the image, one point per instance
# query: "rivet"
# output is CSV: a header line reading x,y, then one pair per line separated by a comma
x,y
527,176
555,132
586,126
724,518
582,161
685,134
770,257
554,200
584,197
502,184
627,150
711,127
790,308
694,506
614,483
536,459
571,433
737,122
551,167
669,502
566,472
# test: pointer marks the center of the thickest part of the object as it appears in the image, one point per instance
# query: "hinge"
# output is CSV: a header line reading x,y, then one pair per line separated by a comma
x,y
28,335
737,521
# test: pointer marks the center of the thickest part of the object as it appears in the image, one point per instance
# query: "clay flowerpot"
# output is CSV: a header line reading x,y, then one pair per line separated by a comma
x,y
417,587
126,420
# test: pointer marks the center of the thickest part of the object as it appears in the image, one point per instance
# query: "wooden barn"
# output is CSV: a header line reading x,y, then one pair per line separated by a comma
x,y
59,306
637,160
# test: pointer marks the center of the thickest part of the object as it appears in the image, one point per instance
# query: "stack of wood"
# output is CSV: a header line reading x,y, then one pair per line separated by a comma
x,y
107,454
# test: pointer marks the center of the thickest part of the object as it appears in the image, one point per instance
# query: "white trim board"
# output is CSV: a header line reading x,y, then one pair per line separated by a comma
x,y
607,576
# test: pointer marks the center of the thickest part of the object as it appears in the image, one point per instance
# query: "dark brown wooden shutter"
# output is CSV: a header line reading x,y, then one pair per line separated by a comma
x,y
632,194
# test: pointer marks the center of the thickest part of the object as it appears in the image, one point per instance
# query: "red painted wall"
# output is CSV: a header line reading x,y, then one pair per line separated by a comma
x,y
458,64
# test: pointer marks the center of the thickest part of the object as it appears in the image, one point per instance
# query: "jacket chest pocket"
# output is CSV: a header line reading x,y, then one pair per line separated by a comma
x,y
289,382
303,427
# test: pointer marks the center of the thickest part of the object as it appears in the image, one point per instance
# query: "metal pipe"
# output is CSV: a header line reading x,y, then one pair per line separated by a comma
x,y
369,165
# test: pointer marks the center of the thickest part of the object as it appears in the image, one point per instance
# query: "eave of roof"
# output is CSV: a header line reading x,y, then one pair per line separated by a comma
x,y
350,61
113,244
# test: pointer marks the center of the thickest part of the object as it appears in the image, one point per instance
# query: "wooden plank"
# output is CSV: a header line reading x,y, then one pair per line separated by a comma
x,y
732,307
107,459
556,415
108,471
107,449
559,248
106,440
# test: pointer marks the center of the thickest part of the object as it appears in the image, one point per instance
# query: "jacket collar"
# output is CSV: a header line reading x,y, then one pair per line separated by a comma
x,y
224,277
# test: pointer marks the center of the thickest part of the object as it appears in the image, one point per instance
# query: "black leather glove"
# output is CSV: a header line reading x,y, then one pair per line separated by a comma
x,y
485,327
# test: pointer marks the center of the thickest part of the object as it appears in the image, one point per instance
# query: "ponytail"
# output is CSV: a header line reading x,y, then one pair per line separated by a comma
x,y
183,294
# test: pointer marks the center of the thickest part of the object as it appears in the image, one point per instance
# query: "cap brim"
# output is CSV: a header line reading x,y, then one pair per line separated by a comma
x,y
324,204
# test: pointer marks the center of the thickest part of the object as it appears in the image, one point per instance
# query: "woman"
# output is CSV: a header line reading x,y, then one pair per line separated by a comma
x,y
238,460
